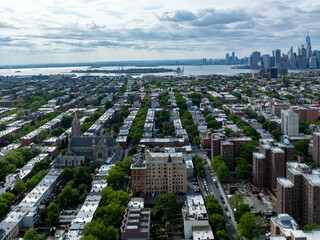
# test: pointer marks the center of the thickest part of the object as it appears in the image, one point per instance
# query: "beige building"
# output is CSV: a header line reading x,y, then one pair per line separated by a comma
x,y
155,173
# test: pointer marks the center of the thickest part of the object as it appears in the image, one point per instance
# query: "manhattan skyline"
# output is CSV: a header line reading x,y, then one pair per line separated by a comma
x,y
35,32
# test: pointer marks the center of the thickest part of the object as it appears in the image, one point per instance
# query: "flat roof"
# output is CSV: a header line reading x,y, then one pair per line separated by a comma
x,y
285,182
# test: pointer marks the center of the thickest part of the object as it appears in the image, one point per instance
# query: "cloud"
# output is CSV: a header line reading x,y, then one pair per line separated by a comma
x,y
142,29
206,17
177,16
6,25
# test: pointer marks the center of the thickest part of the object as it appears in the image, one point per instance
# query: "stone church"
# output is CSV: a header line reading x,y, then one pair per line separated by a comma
x,y
99,149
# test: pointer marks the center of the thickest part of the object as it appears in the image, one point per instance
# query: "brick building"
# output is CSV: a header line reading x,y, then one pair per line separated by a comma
x,y
270,162
299,193
227,152
316,148
156,173
306,113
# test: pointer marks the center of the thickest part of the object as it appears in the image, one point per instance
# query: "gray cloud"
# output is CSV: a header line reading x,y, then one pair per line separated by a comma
x,y
205,17
177,16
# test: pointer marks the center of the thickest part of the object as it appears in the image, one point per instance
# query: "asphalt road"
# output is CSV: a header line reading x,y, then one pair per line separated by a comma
x,y
230,225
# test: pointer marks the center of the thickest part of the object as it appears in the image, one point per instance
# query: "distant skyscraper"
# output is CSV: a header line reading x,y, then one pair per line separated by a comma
x,y
308,48
313,62
289,122
308,40
266,61
272,61
255,60
227,58
278,58
292,59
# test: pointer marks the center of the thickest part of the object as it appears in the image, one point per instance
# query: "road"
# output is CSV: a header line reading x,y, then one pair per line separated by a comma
x,y
230,224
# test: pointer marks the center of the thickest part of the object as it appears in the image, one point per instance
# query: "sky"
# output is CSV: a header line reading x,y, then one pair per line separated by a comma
x,y
47,31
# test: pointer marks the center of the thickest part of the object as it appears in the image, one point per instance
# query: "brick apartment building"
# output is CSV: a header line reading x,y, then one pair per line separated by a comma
x,y
316,148
306,113
299,193
270,162
228,148
156,173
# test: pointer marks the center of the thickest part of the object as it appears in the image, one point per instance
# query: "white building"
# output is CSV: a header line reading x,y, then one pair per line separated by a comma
x,y
289,122
194,216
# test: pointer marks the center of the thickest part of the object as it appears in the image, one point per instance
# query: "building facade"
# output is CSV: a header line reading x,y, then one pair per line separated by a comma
x,y
289,122
299,193
156,173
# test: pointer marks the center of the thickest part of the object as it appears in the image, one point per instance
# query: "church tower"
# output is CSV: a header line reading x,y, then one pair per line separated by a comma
x,y
76,129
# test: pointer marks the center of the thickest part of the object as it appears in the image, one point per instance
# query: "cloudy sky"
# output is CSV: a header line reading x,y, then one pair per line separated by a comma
x,y
45,31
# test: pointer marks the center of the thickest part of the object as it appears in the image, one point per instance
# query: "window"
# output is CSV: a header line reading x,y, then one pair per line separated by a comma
x,y
99,154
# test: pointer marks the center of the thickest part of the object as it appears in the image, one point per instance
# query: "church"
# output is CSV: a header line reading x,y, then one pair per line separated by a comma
x,y
98,149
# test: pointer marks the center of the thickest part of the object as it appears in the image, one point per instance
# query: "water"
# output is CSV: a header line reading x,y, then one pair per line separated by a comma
x,y
195,70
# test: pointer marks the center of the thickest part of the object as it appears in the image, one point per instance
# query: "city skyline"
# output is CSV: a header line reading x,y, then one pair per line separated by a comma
x,y
81,31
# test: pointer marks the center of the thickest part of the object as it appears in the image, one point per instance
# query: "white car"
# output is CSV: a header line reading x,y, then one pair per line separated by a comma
x,y
228,215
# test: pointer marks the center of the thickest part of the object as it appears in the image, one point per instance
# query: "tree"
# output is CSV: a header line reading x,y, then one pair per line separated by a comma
x,y
309,228
113,214
2,126
301,147
241,209
133,149
111,233
217,221
214,208
67,175
116,177
223,171
196,140
228,131
66,121
236,199
68,197
96,229
125,164
42,136
276,134
243,170
216,161
272,126
166,207
6,199
82,175
89,237
222,235
57,132
109,104
18,186
246,151
250,226
53,214
31,234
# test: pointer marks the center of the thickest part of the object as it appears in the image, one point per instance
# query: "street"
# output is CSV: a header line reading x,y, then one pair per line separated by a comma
x,y
230,224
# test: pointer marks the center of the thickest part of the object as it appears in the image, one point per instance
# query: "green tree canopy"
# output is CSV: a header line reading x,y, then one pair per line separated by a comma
x,y
116,177
241,209
18,186
250,226
31,234
166,207
82,175
53,214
